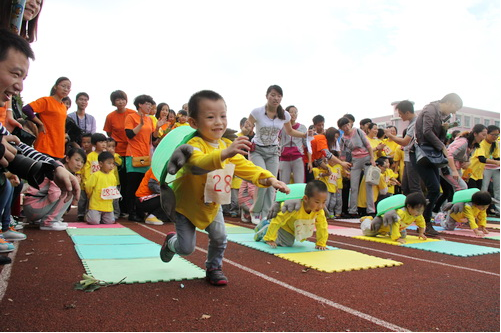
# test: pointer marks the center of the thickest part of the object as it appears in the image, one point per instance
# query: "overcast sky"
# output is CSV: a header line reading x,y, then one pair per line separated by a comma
x,y
330,57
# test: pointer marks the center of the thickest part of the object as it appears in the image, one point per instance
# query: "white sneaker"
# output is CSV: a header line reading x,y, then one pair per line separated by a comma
x,y
152,219
243,218
256,219
12,235
55,226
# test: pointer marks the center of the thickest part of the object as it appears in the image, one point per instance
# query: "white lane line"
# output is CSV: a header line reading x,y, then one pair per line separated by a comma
x,y
5,275
317,298
414,258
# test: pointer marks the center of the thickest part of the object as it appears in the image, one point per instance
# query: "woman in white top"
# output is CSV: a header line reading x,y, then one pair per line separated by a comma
x,y
269,120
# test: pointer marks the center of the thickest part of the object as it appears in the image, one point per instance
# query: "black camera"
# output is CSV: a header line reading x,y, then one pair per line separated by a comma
x,y
31,170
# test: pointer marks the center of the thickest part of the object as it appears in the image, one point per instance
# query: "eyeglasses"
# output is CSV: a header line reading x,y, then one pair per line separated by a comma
x,y
494,135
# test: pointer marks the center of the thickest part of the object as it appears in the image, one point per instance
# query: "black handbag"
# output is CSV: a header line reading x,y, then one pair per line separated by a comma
x,y
429,156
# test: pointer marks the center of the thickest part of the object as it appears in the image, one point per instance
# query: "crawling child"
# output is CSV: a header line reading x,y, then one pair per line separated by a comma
x,y
288,227
411,213
474,213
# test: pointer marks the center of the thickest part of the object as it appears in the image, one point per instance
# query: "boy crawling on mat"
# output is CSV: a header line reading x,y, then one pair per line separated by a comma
x,y
411,213
473,213
287,226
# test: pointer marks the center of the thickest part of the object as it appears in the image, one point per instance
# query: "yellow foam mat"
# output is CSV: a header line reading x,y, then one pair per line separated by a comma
x,y
492,225
388,240
338,260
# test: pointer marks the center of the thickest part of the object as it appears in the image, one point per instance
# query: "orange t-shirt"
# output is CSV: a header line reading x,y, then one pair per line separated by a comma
x,y
115,124
143,190
3,114
318,143
53,115
139,145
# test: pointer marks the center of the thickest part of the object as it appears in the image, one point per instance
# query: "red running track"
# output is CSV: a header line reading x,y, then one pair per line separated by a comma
x,y
430,292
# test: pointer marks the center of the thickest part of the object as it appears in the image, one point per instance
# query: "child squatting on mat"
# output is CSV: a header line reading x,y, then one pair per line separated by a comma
x,y
199,197
298,225
403,218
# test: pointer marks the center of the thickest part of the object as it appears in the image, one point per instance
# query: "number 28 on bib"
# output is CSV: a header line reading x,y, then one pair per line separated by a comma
x,y
218,185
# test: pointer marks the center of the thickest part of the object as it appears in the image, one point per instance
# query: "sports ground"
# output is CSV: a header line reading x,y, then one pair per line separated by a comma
x,y
359,285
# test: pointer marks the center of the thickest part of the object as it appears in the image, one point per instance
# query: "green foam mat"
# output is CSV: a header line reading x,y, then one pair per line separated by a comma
x,y
248,240
143,270
109,240
101,232
234,230
492,237
130,251
492,219
453,248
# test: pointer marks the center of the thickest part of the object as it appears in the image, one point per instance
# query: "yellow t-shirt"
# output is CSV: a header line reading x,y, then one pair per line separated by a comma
x,y
286,221
473,215
362,192
94,186
330,181
91,166
477,167
189,190
399,157
118,162
374,143
391,147
387,175
178,124
404,221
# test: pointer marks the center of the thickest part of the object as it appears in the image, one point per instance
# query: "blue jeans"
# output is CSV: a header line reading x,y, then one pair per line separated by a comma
x,y
184,242
5,203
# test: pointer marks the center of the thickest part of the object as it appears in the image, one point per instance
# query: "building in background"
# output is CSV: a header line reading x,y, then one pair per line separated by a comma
x,y
467,118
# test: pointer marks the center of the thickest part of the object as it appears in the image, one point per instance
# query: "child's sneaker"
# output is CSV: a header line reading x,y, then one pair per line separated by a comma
x,y
17,225
261,225
13,235
216,277
259,235
245,217
54,226
6,246
167,254
152,219
331,216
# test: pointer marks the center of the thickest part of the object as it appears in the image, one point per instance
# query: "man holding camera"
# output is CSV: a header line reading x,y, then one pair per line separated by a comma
x,y
16,156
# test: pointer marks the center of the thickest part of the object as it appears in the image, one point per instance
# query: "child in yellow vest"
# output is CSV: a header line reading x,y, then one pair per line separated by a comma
x,y
474,213
111,145
101,189
411,213
381,188
298,225
330,178
99,142
199,197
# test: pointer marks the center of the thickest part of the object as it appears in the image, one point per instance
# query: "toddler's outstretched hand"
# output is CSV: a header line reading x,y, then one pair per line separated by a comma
x,y
241,145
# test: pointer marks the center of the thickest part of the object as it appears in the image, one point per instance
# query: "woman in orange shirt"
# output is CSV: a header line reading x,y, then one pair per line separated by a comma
x,y
50,119
114,126
139,130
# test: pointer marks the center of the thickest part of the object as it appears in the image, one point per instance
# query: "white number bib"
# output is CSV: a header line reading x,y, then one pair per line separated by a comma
x,y
333,178
303,229
387,150
218,185
110,193
94,167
